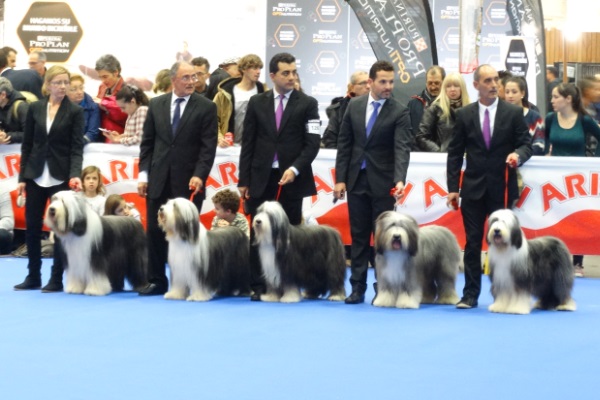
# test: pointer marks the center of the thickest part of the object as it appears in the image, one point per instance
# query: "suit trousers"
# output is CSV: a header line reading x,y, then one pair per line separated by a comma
x,y
292,208
35,206
158,247
363,209
474,214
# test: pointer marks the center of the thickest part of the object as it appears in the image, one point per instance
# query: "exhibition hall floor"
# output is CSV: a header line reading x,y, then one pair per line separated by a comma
x,y
123,346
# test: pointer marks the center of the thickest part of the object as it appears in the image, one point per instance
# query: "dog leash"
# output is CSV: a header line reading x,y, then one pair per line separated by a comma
x,y
506,186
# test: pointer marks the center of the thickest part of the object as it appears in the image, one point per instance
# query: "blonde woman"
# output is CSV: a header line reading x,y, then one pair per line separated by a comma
x,y
51,158
436,126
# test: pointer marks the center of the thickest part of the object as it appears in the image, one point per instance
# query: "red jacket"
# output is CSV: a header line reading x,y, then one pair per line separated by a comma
x,y
111,117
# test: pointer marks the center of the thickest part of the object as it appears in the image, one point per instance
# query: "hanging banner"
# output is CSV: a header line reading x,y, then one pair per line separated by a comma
x,y
470,35
400,31
526,19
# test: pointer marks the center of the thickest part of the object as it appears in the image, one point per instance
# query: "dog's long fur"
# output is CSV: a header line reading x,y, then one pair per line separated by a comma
x,y
304,257
521,268
203,263
414,265
100,251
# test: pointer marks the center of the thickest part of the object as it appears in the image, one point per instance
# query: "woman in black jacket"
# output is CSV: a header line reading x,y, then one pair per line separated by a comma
x,y
436,126
51,158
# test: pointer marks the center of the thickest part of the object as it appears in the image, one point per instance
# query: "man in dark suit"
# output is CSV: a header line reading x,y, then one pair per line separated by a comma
x,y
495,138
176,155
23,79
373,154
281,139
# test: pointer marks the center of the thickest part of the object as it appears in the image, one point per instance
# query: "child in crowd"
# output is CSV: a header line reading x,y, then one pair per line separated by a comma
x,y
116,205
227,204
93,188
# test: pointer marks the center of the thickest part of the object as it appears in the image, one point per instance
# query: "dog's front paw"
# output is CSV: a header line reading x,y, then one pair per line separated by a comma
x,y
199,296
74,287
92,290
292,295
337,296
448,299
568,305
407,301
269,297
175,295
384,299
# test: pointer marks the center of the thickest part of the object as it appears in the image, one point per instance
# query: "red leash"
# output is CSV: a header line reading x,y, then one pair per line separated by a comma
x,y
506,187
278,192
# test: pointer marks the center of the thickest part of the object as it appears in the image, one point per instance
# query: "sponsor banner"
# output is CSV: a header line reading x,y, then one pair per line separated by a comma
x,y
470,30
526,19
559,197
401,32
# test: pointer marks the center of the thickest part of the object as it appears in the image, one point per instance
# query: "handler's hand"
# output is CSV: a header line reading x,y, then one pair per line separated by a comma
x,y
142,189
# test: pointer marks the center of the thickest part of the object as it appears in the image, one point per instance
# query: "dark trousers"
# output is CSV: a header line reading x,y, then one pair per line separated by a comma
x,y
363,209
35,206
474,214
292,208
158,247
6,240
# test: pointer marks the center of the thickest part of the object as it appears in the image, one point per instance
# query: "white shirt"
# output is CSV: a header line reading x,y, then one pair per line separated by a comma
x,y
370,108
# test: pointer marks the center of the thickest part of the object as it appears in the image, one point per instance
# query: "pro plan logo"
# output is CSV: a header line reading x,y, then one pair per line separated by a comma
x,y
327,36
287,10
52,28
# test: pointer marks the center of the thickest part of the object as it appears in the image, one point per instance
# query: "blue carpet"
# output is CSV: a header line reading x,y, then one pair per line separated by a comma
x,y
122,346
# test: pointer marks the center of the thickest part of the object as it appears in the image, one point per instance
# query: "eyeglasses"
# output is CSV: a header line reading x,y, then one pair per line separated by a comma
x,y
363,83
60,83
188,78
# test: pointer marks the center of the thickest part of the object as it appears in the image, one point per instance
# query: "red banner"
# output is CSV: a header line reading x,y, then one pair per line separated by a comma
x,y
560,194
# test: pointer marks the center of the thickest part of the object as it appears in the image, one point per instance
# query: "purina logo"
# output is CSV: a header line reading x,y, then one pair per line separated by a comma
x,y
327,36
287,10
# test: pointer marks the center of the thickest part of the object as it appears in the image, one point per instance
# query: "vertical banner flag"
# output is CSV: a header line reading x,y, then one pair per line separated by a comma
x,y
400,31
470,30
526,19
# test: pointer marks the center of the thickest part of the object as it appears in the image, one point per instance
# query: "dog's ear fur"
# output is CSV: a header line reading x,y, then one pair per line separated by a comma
x,y
516,236
413,239
188,230
79,226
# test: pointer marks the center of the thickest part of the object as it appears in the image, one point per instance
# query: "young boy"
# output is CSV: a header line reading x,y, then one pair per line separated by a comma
x,y
227,204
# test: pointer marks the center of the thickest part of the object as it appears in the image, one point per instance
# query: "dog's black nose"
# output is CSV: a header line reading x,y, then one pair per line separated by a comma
x,y
496,231
396,237
51,211
257,221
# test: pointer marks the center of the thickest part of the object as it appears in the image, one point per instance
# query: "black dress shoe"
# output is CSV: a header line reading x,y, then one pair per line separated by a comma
x,y
30,283
467,302
356,297
152,289
53,287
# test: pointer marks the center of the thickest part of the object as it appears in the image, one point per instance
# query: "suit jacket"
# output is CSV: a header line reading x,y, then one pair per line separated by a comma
x,y
294,145
61,148
25,80
485,170
174,159
386,150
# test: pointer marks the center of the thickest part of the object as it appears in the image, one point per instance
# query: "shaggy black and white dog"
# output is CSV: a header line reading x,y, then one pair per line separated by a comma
x,y
100,251
308,257
203,263
414,265
521,268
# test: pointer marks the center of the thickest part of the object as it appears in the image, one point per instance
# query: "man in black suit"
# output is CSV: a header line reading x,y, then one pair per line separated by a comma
x,y
496,140
281,140
176,155
373,154
23,79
